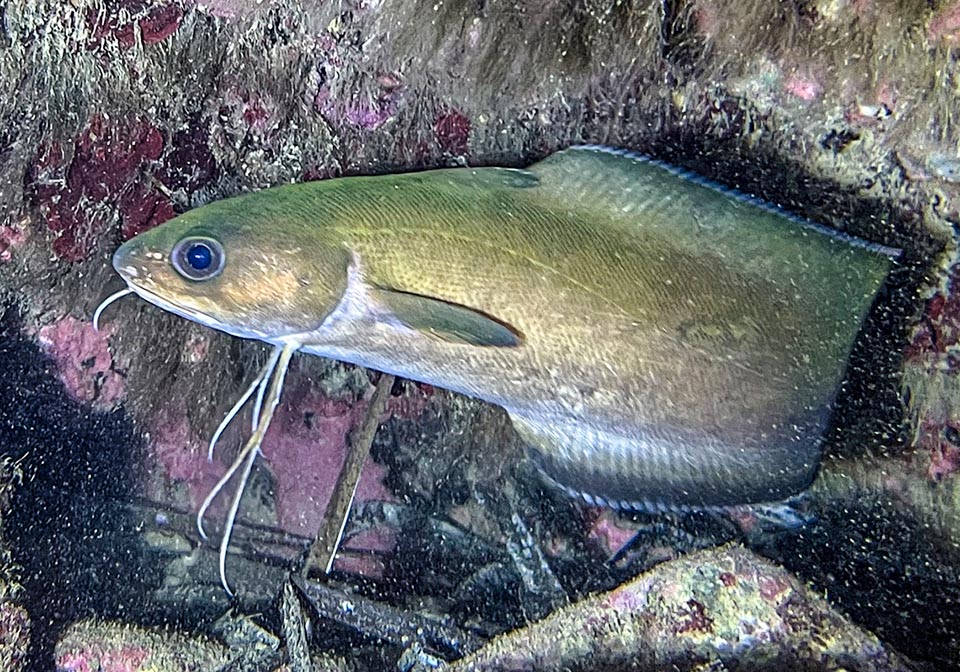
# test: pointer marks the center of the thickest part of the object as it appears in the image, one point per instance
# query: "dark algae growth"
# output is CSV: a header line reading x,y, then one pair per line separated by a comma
x,y
72,543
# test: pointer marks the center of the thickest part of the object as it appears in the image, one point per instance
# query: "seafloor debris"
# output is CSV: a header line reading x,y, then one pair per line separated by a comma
x,y
386,623
710,609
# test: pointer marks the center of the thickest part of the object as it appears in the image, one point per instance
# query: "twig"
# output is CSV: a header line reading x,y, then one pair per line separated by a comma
x,y
294,630
324,548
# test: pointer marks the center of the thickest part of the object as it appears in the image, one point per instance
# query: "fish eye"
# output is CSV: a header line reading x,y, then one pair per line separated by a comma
x,y
198,258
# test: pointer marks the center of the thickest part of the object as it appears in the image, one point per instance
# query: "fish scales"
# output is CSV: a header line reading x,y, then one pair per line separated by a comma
x,y
654,339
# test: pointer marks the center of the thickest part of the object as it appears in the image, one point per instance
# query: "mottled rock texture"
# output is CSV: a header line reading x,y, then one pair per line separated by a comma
x,y
710,609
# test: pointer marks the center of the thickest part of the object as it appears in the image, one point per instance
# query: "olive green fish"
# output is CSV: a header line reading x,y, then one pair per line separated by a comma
x,y
656,340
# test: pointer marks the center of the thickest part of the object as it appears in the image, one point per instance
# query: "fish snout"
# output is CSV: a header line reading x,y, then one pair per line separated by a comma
x,y
133,260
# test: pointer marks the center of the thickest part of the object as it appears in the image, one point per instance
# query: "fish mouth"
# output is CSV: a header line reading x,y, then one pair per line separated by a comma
x,y
160,302
198,316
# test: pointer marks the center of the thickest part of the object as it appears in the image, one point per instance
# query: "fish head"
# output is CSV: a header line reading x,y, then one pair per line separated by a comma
x,y
241,266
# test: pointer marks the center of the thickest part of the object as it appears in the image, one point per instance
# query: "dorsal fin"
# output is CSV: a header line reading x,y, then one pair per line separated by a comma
x,y
618,177
645,199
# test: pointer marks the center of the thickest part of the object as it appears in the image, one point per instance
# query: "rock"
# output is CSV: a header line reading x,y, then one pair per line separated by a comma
x,y
708,610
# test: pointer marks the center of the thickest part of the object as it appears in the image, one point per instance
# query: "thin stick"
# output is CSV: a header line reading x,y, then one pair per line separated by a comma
x,y
386,622
294,629
324,548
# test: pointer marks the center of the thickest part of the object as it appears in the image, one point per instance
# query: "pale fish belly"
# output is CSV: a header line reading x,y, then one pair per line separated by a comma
x,y
630,446
658,468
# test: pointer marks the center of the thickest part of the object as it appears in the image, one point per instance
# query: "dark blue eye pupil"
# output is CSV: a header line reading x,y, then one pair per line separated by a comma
x,y
199,256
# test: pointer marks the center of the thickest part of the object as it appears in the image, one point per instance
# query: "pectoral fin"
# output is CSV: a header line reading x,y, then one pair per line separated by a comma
x,y
448,321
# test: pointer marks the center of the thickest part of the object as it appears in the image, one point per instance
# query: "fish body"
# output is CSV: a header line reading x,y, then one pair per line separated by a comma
x,y
656,341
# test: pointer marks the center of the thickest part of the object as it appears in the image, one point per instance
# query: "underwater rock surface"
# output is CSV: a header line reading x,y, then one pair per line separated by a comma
x,y
115,647
710,609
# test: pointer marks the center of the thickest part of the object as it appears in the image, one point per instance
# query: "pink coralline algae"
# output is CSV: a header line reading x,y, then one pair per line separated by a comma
x,y
227,9
938,333
256,112
14,636
745,517
452,130
626,600
305,448
933,352
107,155
707,18
693,619
772,587
415,401
181,454
804,87
121,659
104,175
189,164
11,237
939,439
945,25
121,21
367,113
83,361
96,646
608,534
244,116
143,208
366,107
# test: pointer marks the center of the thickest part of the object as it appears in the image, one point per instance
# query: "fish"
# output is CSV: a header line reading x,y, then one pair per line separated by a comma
x,y
657,340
